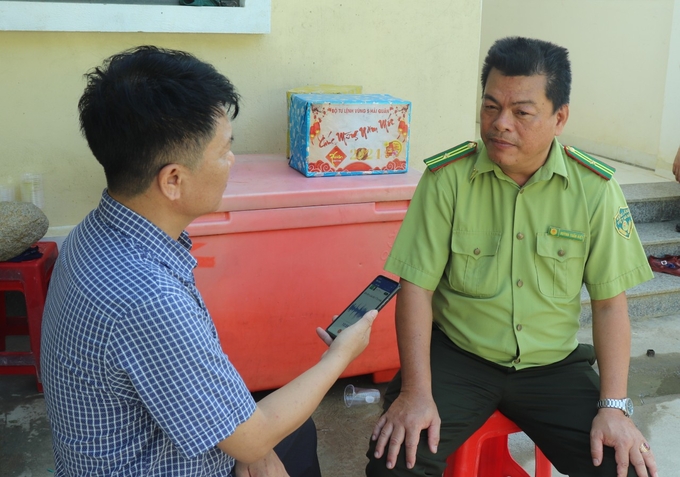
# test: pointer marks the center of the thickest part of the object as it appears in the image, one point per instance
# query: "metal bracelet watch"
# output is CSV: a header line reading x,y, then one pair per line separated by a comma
x,y
625,405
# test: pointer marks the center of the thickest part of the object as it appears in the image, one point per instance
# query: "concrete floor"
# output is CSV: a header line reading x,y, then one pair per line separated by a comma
x,y
25,440
343,433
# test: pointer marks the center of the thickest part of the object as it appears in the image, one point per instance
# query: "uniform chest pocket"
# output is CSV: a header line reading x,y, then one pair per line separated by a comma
x,y
559,265
473,268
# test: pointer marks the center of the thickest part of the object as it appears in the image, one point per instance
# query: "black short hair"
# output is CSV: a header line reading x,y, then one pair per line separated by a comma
x,y
147,107
517,56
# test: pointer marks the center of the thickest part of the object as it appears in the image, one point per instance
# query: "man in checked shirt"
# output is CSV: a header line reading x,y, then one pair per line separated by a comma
x,y
135,379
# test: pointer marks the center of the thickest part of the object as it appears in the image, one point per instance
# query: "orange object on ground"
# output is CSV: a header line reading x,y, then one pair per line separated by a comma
x,y
30,278
284,253
485,453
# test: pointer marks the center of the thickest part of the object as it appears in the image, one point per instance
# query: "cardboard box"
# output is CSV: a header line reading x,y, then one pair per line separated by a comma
x,y
349,134
316,89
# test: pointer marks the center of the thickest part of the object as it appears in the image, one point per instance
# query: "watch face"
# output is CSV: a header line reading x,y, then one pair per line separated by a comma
x,y
629,406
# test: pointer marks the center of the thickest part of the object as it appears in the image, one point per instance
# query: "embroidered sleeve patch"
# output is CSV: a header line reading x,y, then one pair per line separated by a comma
x,y
623,222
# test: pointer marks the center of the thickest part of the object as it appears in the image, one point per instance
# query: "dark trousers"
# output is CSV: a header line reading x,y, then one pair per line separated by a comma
x,y
298,452
554,405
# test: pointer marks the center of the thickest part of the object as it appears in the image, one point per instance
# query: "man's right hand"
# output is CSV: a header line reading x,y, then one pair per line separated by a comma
x,y
353,340
408,415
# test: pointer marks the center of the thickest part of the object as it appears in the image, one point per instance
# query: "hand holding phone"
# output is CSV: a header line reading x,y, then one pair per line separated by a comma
x,y
374,297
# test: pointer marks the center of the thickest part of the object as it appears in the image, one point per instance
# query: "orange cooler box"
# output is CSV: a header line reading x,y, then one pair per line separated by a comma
x,y
284,253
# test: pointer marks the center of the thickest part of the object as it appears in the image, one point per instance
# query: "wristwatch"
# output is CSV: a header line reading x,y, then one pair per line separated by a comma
x,y
625,404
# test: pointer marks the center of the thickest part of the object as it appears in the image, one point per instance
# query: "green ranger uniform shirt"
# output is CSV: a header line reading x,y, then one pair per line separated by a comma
x,y
507,263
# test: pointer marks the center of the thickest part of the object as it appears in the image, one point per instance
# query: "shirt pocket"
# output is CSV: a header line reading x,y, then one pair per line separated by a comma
x,y
559,265
473,268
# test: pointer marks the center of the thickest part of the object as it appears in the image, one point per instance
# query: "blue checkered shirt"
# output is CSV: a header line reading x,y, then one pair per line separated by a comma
x,y
136,382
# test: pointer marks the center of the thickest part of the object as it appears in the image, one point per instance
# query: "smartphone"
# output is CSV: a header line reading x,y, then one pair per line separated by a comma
x,y
374,297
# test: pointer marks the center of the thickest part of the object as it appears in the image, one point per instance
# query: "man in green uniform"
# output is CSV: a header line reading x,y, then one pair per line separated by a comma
x,y
498,240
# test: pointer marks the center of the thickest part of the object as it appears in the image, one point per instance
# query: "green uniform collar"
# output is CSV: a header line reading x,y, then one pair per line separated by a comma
x,y
553,165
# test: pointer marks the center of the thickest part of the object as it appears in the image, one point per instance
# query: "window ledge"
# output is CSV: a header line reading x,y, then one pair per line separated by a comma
x,y
253,17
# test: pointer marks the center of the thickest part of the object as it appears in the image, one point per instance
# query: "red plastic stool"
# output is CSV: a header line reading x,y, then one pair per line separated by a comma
x,y
485,453
30,278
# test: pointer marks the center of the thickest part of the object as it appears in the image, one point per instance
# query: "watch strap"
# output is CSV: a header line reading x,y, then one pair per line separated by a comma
x,y
614,404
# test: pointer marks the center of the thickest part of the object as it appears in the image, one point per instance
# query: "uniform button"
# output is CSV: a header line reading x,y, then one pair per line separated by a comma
x,y
520,235
520,283
561,253
476,251
517,361
519,327
521,191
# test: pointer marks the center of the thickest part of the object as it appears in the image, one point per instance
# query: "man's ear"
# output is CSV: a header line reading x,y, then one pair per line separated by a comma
x,y
169,181
562,115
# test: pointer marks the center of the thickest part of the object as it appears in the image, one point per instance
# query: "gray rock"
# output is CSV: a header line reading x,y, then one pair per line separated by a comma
x,y
21,225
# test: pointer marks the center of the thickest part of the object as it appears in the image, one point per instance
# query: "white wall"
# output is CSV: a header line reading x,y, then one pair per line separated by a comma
x,y
669,140
425,52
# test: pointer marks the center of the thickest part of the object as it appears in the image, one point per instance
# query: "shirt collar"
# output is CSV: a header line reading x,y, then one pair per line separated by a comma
x,y
174,254
553,165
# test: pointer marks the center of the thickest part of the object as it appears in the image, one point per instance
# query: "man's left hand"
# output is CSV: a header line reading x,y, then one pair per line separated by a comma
x,y
269,466
613,429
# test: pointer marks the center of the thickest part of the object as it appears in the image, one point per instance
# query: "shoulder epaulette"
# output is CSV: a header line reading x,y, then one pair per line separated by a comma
x,y
598,167
451,155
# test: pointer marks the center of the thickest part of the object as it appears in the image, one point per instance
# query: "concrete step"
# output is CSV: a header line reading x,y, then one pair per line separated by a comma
x,y
655,208
659,238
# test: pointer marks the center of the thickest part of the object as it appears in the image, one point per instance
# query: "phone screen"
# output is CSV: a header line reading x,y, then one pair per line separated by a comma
x,y
374,297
